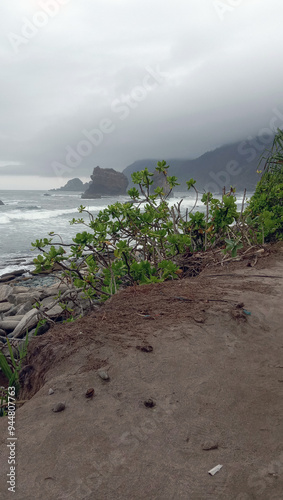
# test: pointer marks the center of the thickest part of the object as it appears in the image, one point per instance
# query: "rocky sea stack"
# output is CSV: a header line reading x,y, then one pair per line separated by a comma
x,y
73,185
106,182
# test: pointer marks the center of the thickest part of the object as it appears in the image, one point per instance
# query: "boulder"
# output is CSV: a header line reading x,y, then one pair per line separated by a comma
x,y
19,272
24,308
107,182
28,321
13,311
22,298
21,309
5,291
5,307
20,289
51,310
8,325
17,317
11,276
53,290
1,203
7,277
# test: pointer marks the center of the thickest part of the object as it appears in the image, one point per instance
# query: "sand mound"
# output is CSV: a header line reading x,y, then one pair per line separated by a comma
x,y
195,381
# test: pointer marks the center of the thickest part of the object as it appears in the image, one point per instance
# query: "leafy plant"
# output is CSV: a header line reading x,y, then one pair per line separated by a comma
x,y
265,208
11,366
126,242
232,246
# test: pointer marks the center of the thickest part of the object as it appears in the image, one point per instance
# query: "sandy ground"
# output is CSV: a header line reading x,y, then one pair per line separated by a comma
x,y
214,375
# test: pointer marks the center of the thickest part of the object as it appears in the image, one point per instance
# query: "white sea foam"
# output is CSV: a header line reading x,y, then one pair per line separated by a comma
x,y
33,214
11,269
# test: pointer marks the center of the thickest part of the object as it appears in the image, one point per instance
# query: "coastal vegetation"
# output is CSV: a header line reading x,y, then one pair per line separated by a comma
x,y
145,240
141,241
265,209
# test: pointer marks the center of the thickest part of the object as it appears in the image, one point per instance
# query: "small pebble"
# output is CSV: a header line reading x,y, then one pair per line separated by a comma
x,y
145,348
50,392
104,375
149,403
210,445
59,407
89,393
199,319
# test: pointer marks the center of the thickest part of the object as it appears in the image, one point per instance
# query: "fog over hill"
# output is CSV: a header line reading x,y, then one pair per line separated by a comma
x,y
106,83
231,165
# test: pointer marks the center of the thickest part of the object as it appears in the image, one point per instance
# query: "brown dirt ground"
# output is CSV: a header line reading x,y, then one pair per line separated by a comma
x,y
215,375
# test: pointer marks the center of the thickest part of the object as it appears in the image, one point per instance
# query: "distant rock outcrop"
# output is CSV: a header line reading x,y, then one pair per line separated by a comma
x,y
106,182
160,180
1,203
73,185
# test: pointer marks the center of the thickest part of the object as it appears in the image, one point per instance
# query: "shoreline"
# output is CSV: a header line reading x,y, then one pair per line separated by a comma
x,y
13,266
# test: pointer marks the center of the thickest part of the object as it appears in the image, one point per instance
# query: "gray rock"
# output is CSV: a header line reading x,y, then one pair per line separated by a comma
x,y
6,277
19,272
11,312
29,320
210,445
103,375
59,407
19,289
8,325
16,317
5,307
106,181
55,311
53,290
21,298
51,311
5,291
24,308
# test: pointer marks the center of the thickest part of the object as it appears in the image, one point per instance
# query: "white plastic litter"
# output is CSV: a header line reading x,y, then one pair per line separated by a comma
x,y
215,469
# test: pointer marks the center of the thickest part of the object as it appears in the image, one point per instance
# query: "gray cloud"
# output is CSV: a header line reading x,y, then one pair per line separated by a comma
x,y
219,79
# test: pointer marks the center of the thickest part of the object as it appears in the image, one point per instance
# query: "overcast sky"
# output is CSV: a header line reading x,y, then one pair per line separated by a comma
x,y
108,82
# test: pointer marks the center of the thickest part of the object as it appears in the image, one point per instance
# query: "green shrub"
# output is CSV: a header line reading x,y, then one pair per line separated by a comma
x,y
140,241
265,209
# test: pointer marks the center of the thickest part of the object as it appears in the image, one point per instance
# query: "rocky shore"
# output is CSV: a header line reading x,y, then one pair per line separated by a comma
x,y
24,301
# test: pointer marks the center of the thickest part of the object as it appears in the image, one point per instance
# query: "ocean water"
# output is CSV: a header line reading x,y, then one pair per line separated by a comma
x,y
30,215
